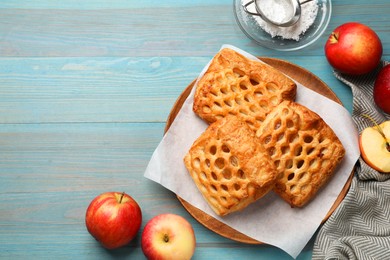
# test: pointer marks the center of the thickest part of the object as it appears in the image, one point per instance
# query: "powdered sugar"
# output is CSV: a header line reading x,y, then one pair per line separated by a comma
x,y
279,11
276,10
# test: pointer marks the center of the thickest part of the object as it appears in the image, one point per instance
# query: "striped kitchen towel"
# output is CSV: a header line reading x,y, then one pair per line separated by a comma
x,y
360,227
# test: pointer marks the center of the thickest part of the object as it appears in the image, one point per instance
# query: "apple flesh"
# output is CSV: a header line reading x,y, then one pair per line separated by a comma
x,y
353,48
168,236
113,219
382,89
375,148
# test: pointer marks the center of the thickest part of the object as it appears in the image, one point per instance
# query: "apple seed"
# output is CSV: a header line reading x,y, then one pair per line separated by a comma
x,y
380,130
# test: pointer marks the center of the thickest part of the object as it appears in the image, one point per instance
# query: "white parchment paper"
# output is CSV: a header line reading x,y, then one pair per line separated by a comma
x,y
270,219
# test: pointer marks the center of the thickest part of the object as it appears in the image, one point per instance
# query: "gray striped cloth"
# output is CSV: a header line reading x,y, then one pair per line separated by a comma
x,y
360,227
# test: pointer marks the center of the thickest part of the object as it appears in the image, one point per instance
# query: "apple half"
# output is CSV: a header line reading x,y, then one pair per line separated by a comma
x,y
374,143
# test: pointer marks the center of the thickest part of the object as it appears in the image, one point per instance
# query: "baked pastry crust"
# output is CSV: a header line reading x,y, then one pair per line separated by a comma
x,y
229,166
236,85
304,149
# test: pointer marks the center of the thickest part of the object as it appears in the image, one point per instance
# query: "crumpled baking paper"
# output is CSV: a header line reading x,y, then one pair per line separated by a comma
x,y
269,220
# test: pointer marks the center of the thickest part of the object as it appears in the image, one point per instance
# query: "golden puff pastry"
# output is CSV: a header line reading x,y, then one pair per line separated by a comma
x,y
229,166
304,149
236,85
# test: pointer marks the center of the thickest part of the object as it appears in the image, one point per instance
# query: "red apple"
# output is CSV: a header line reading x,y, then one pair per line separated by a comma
x,y
113,219
168,236
374,143
353,48
382,89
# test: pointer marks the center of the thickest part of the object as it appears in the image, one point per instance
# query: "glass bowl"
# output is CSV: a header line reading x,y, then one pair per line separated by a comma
x,y
249,25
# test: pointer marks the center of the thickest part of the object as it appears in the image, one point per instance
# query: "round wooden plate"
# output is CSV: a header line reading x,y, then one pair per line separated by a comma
x,y
299,74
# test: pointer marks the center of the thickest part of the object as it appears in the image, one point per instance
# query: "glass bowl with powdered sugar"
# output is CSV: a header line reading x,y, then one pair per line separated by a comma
x,y
315,16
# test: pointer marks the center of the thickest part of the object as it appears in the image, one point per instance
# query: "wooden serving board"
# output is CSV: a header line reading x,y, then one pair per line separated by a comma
x,y
299,74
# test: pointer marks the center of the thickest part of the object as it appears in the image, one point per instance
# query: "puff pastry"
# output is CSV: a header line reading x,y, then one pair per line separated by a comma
x,y
229,166
304,149
236,85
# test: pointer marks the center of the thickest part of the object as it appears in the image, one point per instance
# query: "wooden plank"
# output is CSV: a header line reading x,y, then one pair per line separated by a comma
x,y
133,32
93,89
75,157
104,4
175,31
42,90
108,4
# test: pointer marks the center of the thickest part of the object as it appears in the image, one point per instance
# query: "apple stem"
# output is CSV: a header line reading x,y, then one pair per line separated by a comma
x,y
334,37
120,200
166,238
379,130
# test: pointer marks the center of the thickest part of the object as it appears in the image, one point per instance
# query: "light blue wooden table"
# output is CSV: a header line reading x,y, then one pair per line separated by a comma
x,y
85,90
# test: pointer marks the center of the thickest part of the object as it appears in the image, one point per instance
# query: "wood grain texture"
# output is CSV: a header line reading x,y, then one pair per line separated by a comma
x,y
154,29
85,90
107,89
92,89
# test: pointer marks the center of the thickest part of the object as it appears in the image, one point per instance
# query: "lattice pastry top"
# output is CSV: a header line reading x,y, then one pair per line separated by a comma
x,y
305,151
234,84
229,166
